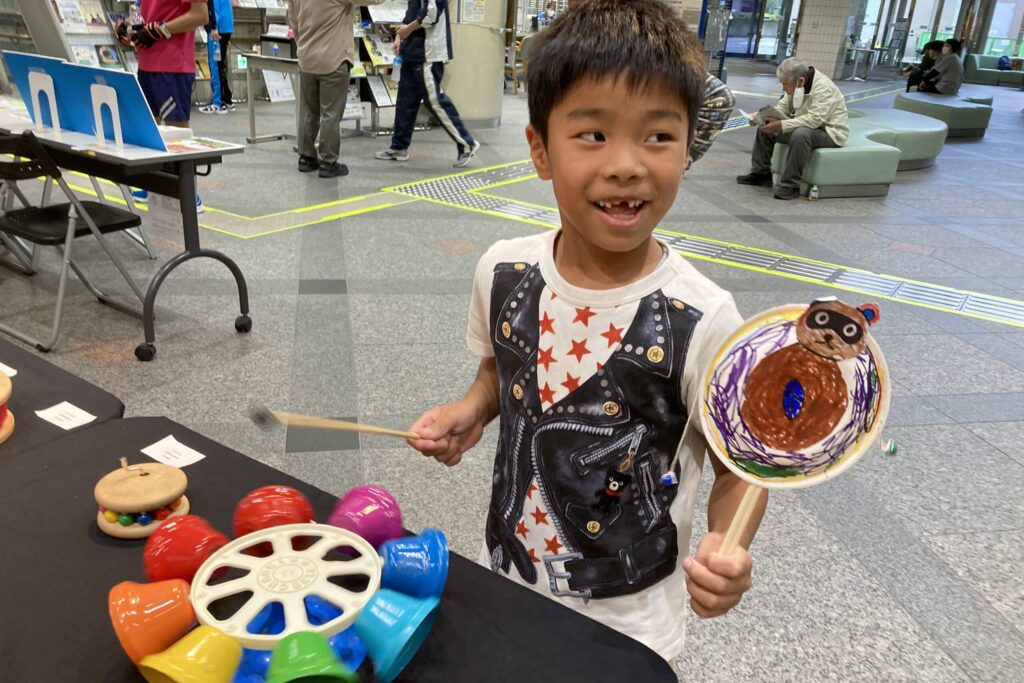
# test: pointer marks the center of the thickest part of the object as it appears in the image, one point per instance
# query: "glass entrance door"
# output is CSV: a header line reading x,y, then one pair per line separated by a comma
x,y
742,38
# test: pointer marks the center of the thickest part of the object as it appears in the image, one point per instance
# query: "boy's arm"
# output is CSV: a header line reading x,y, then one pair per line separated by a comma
x,y
448,431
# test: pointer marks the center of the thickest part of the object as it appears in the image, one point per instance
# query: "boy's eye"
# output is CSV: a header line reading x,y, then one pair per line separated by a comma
x,y
593,136
660,137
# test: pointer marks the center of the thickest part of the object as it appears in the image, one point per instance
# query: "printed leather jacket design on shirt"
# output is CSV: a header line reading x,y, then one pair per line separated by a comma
x,y
631,408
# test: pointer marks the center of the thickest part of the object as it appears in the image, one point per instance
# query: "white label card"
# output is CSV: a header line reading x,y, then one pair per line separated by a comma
x,y
66,415
170,451
8,370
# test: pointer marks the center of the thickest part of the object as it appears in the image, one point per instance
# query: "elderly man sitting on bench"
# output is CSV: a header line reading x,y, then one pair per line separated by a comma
x,y
817,117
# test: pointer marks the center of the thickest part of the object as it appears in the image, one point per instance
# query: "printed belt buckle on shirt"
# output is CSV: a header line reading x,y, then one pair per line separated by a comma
x,y
554,576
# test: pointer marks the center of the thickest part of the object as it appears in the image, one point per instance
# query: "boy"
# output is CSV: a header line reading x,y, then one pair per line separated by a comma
x,y
166,48
424,42
595,338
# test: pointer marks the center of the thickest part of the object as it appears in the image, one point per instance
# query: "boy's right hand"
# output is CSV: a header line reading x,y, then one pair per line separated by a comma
x,y
448,431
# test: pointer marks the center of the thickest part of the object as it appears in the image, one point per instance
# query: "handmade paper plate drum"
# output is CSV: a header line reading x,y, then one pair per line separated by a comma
x,y
797,394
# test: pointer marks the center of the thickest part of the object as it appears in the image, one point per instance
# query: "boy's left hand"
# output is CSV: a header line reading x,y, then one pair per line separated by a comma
x,y
716,583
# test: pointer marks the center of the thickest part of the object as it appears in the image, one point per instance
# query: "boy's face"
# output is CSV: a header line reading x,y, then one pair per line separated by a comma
x,y
615,159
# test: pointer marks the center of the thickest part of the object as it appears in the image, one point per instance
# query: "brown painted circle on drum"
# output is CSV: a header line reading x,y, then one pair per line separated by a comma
x,y
823,406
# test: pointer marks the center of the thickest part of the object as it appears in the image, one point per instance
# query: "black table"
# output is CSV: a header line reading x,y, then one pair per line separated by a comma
x,y
58,568
172,174
39,385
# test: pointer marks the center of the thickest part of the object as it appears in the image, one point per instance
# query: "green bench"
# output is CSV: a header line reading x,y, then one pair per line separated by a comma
x,y
965,117
864,167
881,142
919,138
985,69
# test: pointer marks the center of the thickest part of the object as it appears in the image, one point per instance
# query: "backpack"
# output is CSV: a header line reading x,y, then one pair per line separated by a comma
x,y
1004,63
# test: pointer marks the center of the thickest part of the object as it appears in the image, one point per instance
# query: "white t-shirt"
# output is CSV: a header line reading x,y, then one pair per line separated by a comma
x,y
578,330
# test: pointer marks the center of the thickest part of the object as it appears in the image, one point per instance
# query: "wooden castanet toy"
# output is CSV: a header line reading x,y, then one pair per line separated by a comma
x,y
795,397
136,499
6,416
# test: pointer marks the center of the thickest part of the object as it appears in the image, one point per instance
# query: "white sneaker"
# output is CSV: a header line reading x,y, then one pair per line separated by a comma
x,y
465,157
391,154
199,205
209,109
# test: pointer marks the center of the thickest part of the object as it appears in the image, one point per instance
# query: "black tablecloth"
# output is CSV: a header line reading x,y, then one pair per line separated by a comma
x,y
58,568
39,385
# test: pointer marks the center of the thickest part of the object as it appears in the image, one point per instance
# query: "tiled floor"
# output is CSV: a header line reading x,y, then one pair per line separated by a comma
x,y
907,568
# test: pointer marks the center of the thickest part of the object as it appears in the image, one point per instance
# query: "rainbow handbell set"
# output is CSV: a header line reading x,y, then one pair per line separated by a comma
x,y
296,624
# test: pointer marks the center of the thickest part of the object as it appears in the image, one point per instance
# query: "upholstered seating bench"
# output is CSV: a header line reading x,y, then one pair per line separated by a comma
x,y
919,138
985,69
965,118
864,167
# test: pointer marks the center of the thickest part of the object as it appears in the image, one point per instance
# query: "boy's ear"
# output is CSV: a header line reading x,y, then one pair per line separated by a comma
x,y
539,153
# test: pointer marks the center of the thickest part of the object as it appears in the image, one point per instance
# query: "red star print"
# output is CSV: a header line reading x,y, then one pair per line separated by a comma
x,y
552,545
533,556
613,335
547,394
553,296
579,349
571,383
600,367
545,357
521,529
583,315
529,491
547,324
539,517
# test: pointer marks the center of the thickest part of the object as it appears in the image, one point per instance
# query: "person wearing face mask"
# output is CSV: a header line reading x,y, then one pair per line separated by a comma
x,y
947,75
817,118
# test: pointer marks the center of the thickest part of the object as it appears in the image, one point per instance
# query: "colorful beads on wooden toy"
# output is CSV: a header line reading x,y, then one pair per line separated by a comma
x,y
110,516
125,519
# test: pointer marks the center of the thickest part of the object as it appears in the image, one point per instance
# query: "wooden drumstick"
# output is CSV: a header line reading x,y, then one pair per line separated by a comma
x,y
740,520
265,417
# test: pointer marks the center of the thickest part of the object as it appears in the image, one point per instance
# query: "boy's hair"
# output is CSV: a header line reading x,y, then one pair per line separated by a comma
x,y
642,41
935,46
954,44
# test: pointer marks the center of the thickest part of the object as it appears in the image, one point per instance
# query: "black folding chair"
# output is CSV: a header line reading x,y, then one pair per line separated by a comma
x,y
54,225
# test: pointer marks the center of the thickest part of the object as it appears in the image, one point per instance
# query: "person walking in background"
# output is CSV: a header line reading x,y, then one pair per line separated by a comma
x,y
323,33
424,42
947,75
218,32
165,40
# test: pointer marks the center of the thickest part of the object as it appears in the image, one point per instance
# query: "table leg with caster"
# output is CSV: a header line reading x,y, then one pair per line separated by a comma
x,y
243,323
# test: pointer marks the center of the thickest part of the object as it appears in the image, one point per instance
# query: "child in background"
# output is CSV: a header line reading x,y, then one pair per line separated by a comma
x,y
594,340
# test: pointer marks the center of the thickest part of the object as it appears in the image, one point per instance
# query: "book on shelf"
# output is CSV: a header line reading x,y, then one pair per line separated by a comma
x,y
95,16
85,55
353,105
389,12
202,69
380,51
71,16
108,57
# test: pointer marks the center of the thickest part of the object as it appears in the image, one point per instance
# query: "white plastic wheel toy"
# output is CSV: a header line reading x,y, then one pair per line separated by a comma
x,y
288,577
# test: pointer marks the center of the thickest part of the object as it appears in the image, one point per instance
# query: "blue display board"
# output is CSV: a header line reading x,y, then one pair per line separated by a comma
x,y
72,85
138,127
20,65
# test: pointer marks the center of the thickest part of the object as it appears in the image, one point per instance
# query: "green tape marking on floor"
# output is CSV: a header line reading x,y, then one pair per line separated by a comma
x,y
468,191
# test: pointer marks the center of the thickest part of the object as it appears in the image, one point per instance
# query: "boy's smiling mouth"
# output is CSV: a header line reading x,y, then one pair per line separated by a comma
x,y
622,210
